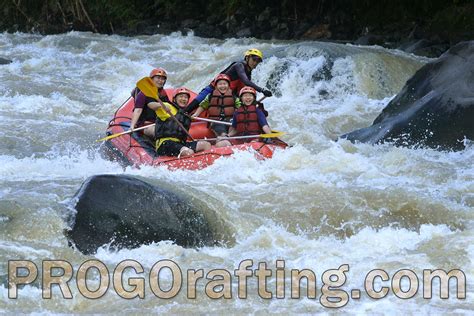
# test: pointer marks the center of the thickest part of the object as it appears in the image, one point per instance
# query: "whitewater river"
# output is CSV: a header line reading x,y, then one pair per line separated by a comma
x,y
317,205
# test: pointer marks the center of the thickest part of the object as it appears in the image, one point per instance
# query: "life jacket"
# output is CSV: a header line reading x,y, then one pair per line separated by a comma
x,y
221,106
169,128
147,113
236,84
247,120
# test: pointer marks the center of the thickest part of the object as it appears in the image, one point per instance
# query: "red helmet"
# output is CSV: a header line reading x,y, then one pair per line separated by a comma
x,y
181,91
248,89
221,77
158,72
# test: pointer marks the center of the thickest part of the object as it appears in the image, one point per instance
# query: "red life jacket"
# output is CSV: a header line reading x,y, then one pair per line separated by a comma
x,y
163,95
237,85
221,106
247,120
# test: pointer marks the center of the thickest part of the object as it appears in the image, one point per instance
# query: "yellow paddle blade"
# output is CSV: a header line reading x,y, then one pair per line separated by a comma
x,y
148,88
272,134
126,132
111,136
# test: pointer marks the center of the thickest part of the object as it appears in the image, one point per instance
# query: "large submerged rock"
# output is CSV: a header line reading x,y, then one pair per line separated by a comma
x,y
4,61
123,211
435,108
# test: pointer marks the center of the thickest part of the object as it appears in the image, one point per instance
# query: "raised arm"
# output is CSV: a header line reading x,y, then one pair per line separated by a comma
x,y
246,81
239,67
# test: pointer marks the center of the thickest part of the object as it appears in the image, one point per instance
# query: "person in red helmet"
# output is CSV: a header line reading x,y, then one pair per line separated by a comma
x,y
146,105
240,74
220,105
181,97
248,119
171,139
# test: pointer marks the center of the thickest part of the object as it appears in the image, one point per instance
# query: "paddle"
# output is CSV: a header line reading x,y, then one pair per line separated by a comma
x,y
175,119
212,121
270,135
148,88
261,99
123,133
197,118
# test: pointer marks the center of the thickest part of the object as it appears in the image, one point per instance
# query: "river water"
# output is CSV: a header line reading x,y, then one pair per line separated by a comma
x,y
317,205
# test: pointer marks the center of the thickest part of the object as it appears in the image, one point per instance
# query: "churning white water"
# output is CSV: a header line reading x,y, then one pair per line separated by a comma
x,y
317,205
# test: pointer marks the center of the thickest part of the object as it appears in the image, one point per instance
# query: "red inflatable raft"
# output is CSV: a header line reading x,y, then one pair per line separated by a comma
x,y
136,149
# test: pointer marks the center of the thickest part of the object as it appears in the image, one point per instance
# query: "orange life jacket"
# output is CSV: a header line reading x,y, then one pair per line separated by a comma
x,y
221,106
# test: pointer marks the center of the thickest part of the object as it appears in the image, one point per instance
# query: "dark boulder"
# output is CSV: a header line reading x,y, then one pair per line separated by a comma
x,y
425,48
245,32
208,31
435,108
126,212
317,31
4,61
190,23
370,39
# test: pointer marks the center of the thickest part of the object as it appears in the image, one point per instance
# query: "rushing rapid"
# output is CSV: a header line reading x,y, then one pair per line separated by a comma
x,y
317,205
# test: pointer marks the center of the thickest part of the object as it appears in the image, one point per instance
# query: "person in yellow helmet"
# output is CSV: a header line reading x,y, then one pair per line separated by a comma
x,y
240,74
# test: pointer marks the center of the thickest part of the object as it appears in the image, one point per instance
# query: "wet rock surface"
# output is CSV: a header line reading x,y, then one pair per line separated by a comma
x,y
435,108
126,212
4,61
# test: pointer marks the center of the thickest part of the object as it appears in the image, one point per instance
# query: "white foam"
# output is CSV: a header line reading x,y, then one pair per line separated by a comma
x,y
318,204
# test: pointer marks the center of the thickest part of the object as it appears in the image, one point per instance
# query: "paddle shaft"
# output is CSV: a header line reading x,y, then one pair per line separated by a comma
x,y
126,132
212,121
197,118
243,137
174,118
233,137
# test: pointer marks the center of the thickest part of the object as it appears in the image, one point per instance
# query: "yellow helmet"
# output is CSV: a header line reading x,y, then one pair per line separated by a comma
x,y
254,52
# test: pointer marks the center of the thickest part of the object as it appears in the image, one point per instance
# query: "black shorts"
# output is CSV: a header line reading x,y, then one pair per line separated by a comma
x,y
171,148
218,129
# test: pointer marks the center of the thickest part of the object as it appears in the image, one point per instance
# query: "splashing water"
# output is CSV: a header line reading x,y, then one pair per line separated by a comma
x,y
317,205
